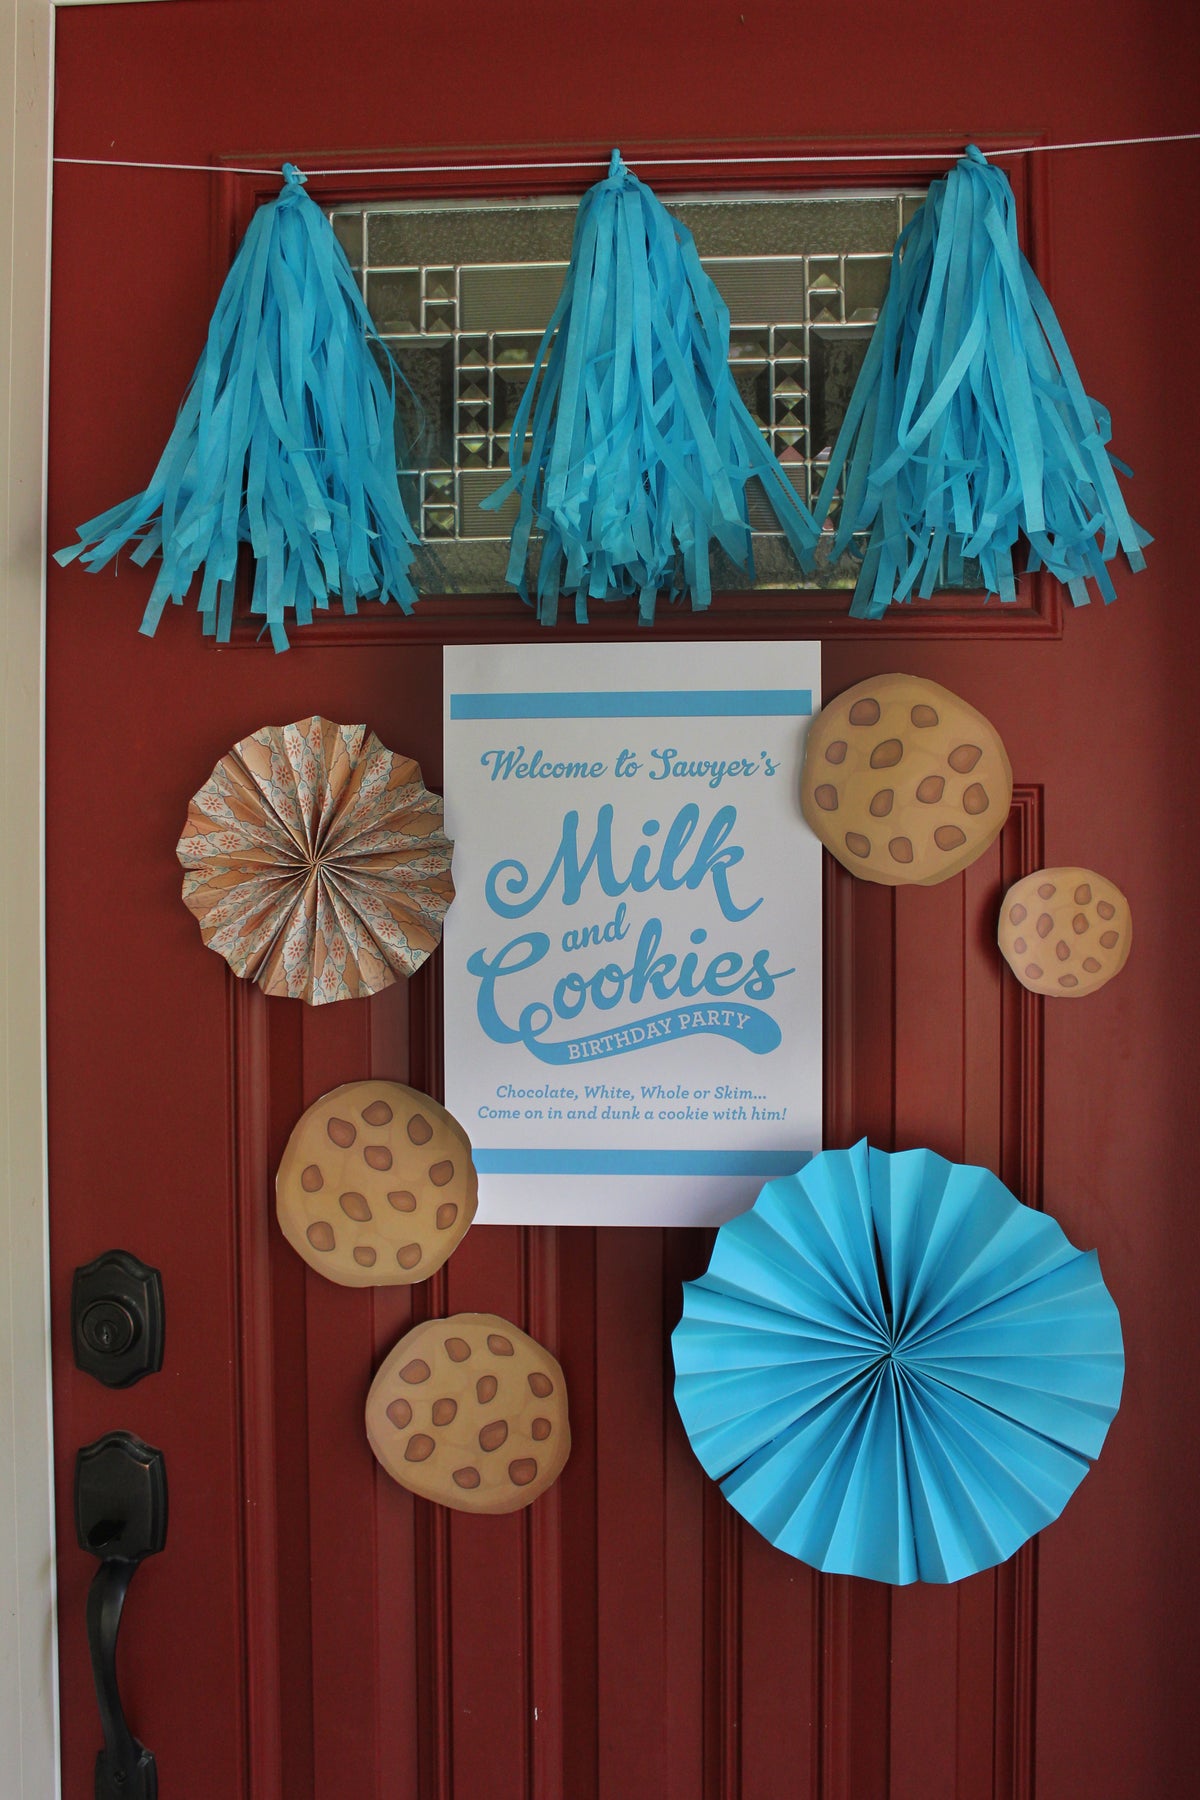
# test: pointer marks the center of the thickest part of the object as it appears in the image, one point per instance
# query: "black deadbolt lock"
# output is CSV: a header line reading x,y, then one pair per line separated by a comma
x,y
117,1319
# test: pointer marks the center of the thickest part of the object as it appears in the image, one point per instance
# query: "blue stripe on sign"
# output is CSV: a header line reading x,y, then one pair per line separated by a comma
x,y
734,703
765,1163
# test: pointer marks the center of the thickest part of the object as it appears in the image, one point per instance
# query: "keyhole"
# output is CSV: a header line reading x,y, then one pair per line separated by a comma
x,y
108,1327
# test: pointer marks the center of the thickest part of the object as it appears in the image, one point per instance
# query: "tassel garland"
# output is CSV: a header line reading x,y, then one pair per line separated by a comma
x,y
641,445
968,423
285,441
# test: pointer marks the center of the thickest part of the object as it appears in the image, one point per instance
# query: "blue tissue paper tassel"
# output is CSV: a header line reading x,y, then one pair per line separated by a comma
x,y
641,445
969,424
285,441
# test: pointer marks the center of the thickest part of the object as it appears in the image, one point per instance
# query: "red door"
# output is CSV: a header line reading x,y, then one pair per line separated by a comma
x,y
309,1629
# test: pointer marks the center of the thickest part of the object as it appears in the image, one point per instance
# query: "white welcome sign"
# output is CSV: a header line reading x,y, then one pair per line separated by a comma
x,y
633,956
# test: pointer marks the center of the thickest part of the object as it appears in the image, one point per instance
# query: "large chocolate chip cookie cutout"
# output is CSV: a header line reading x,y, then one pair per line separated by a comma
x,y
471,1412
903,781
376,1186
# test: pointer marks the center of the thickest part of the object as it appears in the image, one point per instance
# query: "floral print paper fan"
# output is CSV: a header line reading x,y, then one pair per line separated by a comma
x,y
315,861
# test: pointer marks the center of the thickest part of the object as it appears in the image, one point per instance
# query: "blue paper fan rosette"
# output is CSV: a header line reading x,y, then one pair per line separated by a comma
x,y
894,1368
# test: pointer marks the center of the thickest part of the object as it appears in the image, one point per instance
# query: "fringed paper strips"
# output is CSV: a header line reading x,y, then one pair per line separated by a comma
x,y
285,441
641,445
968,424
895,1369
315,862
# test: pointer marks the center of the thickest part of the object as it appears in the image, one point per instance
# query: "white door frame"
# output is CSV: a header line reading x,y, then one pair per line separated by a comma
x,y
28,1647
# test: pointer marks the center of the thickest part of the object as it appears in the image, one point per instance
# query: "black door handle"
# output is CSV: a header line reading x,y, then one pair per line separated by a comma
x,y
121,1517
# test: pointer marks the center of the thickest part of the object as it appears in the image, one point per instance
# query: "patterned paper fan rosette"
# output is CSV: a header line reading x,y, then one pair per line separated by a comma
x,y
894,1368
316,863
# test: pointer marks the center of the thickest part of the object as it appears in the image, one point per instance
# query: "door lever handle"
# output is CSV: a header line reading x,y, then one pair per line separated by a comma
x,y
121,1517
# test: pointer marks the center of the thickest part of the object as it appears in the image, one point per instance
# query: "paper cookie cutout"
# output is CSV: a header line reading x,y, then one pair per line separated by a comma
x,y
1065,932
376,1186
894,1368
471,1412
903,781
315,861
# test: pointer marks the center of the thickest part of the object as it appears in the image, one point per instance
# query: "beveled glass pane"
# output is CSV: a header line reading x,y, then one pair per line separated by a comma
x,y
394,301
766,290
866,281
835,357
348,230
512,298
462,291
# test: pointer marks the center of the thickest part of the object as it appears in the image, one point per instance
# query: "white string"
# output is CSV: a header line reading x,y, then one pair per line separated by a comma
x,y
655,162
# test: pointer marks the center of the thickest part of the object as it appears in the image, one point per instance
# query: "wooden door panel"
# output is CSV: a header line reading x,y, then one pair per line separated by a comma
x,y
667,1649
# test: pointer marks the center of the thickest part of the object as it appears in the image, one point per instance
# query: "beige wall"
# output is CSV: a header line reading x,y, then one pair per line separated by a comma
x,y
28,1718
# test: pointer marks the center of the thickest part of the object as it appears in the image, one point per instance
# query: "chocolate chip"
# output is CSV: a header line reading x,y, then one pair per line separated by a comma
x,y
457,1349
930,791
1062,950
493,1435
1110,939
826,796
466,1478
1033,972
320,1236
1019,946
400,1413
485,1389
900,849
923,717
402,1201
446,1215
857,844
499,1346
1083,894
949,837
444,1411
1018,914
836,752
523,1471
377,1156
1079,924
1106,909
1045,925
887,754
416,1370
975,800
355,1207
419,1129
312,1179
963,757
1068,981
541,1429
364,1256
408,1255
881,803
540,1384
1047,890
378,1113
419,1448
441,1173
342,1132
1092,966
864,712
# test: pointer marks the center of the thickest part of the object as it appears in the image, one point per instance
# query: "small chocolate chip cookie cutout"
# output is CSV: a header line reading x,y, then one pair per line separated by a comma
x,y
377,1185
1083,927
903,781
471,1412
